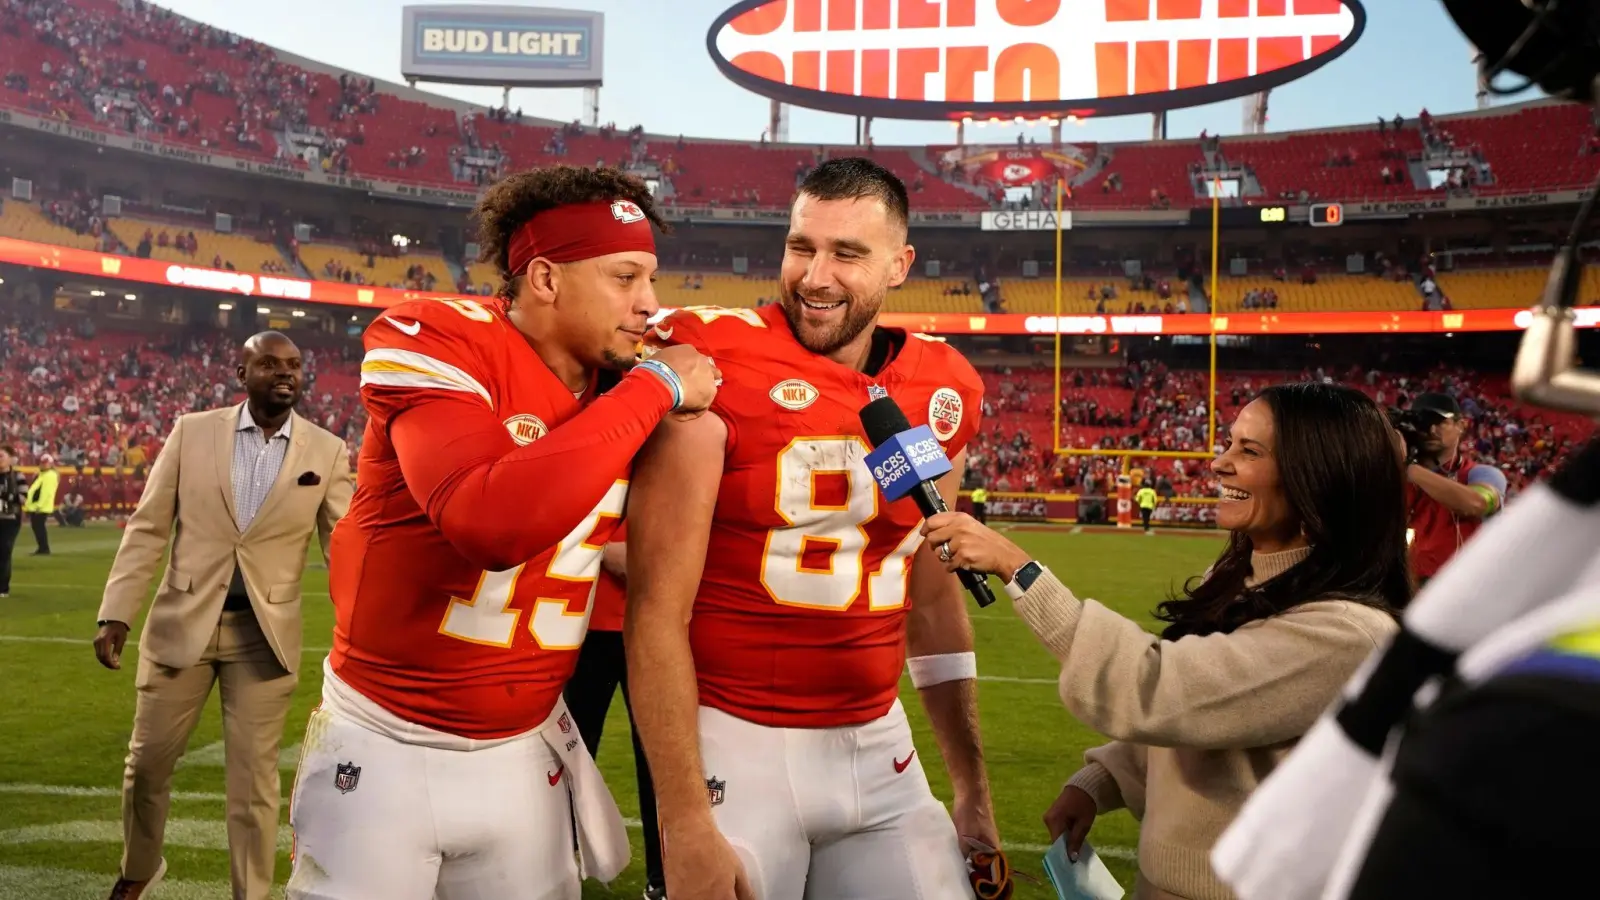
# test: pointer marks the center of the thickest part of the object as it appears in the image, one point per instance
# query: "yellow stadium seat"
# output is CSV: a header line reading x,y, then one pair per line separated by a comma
x,y
675,290
481,274
1331,293
23,221
1509,288
1038,296
246,253
386,271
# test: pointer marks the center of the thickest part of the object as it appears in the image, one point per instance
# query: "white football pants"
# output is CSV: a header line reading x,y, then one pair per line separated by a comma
x,y
831,813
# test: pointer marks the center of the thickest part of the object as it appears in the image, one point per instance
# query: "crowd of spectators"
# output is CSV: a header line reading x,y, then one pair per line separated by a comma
x,y
90,400
108,400
1147,406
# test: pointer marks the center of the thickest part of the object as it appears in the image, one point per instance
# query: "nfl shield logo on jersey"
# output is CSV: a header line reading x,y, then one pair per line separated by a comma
x,y
564,723
876,392
346,777
716,789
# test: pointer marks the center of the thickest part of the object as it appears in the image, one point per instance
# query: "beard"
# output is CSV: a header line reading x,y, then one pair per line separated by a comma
x,y
859,315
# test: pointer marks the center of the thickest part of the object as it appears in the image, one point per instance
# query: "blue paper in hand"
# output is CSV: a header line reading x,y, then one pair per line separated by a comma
x,y
1086,879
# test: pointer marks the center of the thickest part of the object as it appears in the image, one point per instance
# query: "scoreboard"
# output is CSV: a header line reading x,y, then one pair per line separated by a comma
x,y
1322,215
1325,215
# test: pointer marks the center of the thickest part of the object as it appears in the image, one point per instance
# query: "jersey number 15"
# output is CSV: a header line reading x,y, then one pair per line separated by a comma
x,y
488,618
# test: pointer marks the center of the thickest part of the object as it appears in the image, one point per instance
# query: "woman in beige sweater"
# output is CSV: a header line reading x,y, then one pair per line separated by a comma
x,y
1309,584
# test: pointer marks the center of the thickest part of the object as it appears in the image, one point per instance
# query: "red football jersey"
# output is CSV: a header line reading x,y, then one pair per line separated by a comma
x,y
421,630
800,616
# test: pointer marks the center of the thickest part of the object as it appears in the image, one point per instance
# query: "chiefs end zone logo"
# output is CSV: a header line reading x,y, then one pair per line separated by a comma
x,y
944,413
627,212
525,429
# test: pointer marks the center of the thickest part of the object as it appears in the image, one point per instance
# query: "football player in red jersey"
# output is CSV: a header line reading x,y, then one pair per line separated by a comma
x,y
441,762
774,595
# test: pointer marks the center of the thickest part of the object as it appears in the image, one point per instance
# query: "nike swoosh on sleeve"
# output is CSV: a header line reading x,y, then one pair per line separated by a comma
x,y
412,329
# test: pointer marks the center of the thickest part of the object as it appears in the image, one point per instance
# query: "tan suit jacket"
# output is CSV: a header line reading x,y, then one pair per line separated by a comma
x,y
189,498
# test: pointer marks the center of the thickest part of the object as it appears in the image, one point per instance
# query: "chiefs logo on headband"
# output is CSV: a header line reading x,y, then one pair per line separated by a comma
x,y
627,212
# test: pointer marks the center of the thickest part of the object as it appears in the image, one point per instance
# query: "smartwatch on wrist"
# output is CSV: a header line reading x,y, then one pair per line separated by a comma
x,y
1024,578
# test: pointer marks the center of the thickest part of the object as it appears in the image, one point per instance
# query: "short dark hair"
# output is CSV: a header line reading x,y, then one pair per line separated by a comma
x,y
1337,463
515,199
851,177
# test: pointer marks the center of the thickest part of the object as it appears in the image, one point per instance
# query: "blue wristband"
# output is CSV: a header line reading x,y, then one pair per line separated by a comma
x,y
664,372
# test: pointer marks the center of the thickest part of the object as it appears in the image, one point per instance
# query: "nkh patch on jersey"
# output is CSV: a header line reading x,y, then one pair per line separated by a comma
x,y
525,429
944,413
794,394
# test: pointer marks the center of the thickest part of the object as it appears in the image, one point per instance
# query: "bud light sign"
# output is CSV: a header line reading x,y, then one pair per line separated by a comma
x,y
905,460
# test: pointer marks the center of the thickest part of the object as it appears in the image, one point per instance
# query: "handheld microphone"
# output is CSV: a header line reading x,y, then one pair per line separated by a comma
x,y
908,462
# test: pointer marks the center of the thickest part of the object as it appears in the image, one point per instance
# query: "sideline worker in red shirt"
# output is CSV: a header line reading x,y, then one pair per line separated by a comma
x,y
1448,495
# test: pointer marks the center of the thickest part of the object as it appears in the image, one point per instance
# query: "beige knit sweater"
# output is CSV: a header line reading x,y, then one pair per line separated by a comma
x,y
1196,723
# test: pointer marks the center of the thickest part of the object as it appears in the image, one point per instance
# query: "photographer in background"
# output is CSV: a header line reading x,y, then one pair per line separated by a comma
x,y
1447,495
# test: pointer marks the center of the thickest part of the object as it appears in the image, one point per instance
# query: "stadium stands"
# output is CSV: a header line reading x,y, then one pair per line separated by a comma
x,y
331,262
237,96
211,248
88,421
1501,288
27,222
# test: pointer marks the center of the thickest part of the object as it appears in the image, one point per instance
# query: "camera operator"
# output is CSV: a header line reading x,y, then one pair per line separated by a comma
x,y
1448,496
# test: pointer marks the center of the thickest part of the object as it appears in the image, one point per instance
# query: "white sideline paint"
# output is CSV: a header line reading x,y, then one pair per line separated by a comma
x,y
214,756
32,883
131,649
199,834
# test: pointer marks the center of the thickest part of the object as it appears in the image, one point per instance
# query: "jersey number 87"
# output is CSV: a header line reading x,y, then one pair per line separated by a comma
x,y
836,532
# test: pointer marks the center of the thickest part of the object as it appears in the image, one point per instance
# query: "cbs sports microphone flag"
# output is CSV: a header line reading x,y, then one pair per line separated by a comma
x,y
1530,575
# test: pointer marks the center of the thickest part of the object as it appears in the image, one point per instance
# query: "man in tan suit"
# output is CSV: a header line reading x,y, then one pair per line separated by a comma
x,y
240,491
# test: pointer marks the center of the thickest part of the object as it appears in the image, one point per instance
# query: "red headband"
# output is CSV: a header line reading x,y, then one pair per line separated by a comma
x,y
580,231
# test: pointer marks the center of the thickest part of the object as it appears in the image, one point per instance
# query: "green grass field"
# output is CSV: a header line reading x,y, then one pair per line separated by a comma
x,y
65,721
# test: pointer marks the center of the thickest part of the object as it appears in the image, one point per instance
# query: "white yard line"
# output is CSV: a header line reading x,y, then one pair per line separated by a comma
x,y
212,834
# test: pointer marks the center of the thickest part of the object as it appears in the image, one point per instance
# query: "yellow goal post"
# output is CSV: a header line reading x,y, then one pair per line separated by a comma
x,y
1211,384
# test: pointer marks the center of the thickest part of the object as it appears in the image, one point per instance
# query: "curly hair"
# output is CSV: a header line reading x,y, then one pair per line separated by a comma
x,y
515,199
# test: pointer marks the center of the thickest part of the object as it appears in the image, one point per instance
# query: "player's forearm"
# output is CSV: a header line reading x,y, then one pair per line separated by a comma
x,y
938,628
666,710
670,507
1455,496
498,508
952,709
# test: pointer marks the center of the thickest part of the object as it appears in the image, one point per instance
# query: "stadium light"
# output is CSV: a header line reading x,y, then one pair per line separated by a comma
x,y
298,314
97,293
224,306
263,311
130,296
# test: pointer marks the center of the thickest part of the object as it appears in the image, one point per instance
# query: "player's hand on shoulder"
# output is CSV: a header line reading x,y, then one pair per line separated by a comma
x,y
700,863
697,374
